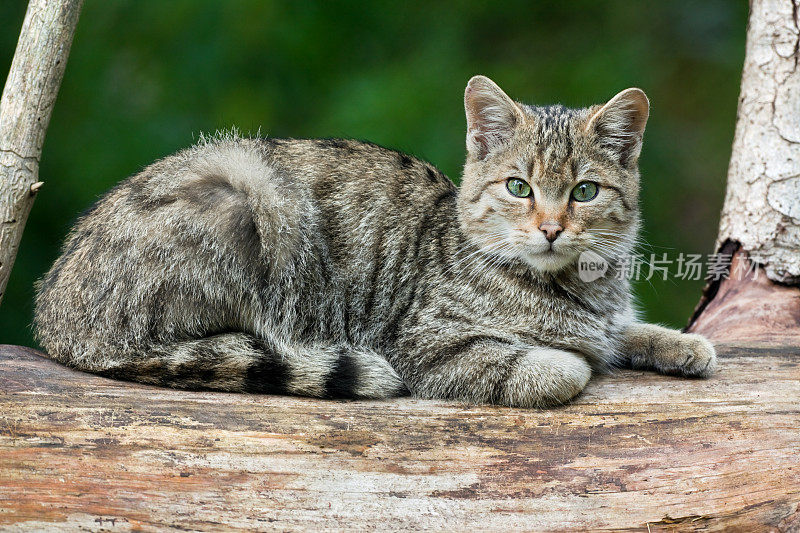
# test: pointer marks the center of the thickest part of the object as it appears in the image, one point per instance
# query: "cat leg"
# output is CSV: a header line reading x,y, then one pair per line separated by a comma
x,y
492,371
243,363
544,377
668,351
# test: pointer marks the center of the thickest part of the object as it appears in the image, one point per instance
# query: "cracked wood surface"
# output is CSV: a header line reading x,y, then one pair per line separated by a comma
x,y
762,201
27,102
636,451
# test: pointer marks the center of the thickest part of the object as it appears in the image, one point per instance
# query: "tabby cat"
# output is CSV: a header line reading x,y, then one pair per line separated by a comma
x,y
340,269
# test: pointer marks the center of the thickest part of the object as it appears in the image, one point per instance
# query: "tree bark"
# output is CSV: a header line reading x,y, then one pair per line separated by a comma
x,y
27,102
759,235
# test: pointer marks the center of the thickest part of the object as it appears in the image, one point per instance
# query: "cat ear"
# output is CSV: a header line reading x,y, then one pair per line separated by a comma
x,y
491,116
619,125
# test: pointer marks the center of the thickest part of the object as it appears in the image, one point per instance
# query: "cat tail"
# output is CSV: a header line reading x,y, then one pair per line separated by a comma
x,y
239,362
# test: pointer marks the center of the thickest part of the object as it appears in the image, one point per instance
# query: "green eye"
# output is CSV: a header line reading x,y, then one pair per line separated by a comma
x,y
585,191
518,188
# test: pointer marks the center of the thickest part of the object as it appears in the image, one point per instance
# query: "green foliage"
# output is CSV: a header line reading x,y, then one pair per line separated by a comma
x,y
145,78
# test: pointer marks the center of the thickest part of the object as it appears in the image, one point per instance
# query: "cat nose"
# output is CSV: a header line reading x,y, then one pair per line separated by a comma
x,y
551,230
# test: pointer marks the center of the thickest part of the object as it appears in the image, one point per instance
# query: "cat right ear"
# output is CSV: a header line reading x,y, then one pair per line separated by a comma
x,y
619,125
491,116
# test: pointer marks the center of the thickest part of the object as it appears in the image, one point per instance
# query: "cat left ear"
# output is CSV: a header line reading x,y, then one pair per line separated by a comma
x,y
491,116
619,125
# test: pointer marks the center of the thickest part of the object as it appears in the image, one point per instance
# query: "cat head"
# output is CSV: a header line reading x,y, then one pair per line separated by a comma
x,y
544,184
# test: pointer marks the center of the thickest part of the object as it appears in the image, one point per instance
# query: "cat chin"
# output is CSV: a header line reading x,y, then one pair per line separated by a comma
x,y
549,261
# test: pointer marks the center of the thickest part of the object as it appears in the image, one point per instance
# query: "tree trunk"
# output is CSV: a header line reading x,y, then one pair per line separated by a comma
x,y
28,99
759,236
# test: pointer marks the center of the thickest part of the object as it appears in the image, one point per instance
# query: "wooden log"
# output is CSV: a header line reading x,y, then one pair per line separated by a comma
x,y
635,452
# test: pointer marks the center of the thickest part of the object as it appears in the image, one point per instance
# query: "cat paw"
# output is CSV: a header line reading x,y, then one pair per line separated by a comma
x,y
700,358
546,377
669,351
688,355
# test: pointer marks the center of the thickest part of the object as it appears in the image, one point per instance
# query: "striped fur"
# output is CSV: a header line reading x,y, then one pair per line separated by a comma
x,y
242,362
340,269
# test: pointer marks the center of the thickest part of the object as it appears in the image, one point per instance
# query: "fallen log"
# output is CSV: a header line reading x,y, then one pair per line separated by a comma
x,y
636,451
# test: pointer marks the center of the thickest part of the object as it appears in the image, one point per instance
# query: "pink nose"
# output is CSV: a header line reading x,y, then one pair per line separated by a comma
x,y
551,230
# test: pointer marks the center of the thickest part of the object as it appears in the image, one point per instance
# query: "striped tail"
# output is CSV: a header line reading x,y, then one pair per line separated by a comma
x,y
238,362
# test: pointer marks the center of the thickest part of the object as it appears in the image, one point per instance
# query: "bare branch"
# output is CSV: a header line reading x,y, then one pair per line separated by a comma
x,y
27,102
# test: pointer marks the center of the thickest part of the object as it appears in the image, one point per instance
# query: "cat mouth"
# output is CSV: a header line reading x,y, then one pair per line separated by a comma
x,y
547,258
548,249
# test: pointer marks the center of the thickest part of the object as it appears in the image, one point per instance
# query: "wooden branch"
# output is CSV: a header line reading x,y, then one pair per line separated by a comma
x,y
27,102
636,451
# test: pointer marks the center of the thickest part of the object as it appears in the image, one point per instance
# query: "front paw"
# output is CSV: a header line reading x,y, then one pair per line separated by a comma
x,y
545,377
695,356
670,352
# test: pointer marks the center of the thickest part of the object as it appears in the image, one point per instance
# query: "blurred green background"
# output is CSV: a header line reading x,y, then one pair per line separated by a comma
x,y
145,78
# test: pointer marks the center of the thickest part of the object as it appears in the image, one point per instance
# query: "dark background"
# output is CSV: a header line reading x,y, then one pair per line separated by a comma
x,y
145,78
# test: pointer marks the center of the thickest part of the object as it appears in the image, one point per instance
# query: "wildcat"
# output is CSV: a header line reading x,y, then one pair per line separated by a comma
x,y
340,269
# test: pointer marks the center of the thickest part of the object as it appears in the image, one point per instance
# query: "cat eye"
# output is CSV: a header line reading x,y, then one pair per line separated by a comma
x,y
518,188
585,191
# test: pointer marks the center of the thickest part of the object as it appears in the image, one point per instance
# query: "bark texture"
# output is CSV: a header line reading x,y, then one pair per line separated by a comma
x,y
27,102
762,203
635,452
759,235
